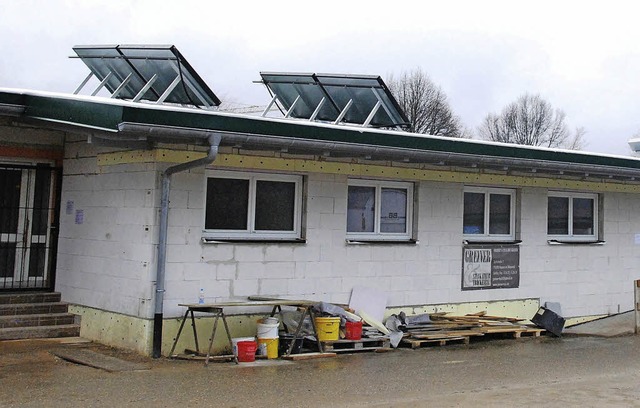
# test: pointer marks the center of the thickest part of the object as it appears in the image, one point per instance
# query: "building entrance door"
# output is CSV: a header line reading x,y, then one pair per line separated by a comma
x,y
28,226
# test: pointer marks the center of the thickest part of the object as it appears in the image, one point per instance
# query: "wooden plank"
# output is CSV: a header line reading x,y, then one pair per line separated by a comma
x,y
98,360
200,357
298,303
308,356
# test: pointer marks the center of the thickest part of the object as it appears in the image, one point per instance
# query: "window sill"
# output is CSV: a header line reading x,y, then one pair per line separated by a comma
x,y
252,241
480,242
572,242
381,242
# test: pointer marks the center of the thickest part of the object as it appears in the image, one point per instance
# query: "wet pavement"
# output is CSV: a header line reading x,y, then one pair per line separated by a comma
x,y
621,324
568,371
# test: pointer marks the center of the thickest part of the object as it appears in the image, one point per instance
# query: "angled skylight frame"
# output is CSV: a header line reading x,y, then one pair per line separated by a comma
x,y
156,73
335,98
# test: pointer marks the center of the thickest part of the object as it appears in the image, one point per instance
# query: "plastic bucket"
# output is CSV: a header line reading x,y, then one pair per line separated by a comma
x,y
268,328
353,330
269,320
268,347
236,340
285,343
328,328
247,351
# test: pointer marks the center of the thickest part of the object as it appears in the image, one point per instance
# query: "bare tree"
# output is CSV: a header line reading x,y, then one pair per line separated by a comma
x,y
577,142
425,105
531,121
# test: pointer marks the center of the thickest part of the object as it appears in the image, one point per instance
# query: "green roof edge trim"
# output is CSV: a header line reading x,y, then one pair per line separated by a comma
x,y
107,115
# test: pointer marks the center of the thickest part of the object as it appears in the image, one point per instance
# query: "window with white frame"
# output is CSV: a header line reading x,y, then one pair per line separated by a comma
x,y
379,210
489,214
572,216
252,206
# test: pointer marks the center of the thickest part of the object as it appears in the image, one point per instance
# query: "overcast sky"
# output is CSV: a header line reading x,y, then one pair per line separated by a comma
x,y
581,56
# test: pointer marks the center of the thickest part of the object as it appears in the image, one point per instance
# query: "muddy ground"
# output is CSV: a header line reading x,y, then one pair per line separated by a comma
x,y
580,371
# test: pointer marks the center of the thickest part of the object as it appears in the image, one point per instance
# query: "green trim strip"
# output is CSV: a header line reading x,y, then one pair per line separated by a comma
x,y
107,115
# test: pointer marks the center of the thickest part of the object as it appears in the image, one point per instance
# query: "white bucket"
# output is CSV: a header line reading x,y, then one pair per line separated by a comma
x,y
269,320
267,328
236,340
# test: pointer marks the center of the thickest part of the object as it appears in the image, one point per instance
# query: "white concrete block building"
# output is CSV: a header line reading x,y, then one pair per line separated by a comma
x,y
305,210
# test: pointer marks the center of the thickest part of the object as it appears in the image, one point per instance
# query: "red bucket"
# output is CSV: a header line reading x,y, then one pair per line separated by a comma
x,y
247,351
353,330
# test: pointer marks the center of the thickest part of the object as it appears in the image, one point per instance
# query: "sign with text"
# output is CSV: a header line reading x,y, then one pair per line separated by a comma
x,y
490,267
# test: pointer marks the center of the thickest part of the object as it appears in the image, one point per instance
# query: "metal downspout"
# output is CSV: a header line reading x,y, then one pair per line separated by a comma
x,y
214,142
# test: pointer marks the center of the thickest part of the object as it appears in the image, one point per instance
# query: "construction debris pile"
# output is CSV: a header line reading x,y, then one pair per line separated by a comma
x,y
441,328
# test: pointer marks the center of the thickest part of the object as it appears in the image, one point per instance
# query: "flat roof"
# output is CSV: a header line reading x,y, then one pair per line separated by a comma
x,y
120,119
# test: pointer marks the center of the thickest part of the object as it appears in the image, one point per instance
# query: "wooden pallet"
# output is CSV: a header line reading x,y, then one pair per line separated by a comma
x,y
416,343
364,344
516,332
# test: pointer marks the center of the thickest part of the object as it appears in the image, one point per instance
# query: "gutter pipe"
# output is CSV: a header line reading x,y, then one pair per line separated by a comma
x,y
410,155
214,142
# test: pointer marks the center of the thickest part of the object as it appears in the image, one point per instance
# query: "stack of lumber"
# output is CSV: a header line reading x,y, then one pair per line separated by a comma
x,y
445,328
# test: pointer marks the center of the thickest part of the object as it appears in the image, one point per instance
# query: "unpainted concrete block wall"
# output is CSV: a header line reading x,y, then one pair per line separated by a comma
x,y
106,256
585,279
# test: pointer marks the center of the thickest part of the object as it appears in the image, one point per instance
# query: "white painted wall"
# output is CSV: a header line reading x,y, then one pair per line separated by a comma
x,y
586,280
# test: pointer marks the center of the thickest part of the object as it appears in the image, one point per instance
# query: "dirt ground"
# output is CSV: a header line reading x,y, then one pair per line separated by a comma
x,y
579,371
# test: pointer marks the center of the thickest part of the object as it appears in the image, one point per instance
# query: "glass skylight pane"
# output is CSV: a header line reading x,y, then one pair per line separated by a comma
x,y
338,91
144,62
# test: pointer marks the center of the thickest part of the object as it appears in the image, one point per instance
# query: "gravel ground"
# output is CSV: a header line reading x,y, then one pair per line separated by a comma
x,y
581,371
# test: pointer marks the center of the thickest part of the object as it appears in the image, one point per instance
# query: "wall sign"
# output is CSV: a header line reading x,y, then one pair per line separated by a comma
x,y
490,267
79,217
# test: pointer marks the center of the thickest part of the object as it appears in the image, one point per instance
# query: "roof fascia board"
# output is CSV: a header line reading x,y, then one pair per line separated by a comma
x,y
390,139
98,114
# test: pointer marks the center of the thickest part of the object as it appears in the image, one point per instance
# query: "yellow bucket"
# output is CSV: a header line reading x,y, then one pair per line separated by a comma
x,y
328,328
268,347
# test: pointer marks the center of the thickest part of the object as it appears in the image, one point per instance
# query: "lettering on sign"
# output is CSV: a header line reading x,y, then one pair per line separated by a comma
x,y
490,266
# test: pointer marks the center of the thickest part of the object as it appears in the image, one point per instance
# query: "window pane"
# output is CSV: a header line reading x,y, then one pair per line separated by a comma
x,y
275,205
41,202
9,200
7,259
583,216
473,218
227,204
37,254
393,210
361,209
558,216
499,214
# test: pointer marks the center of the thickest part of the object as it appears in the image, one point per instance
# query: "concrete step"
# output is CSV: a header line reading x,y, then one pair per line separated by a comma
x,y
38,332
29,297
15,309
47,319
